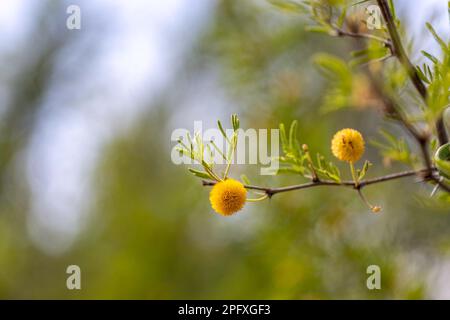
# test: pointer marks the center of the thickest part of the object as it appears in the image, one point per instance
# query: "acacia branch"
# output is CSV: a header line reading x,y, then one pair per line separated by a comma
x,y
399,51
420,136
423,173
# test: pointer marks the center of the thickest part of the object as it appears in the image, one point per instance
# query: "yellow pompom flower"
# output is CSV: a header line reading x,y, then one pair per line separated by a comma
x,y
228,197
348,145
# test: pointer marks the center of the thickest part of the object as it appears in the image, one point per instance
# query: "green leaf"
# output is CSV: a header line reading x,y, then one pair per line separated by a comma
x,y
232,146
437,38
395,149
245,180
430,57
332,67
289,6
327,174
293,142
284,141
367,55
319,29
204,164
442,160
210,154
218,150
364,170
200,146
291,170
422,75
327,169
360,53
235,121
186,153
200,174
219,125
341,19
181,143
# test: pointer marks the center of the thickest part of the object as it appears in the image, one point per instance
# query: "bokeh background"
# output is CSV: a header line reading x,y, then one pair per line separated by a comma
x,y
86,176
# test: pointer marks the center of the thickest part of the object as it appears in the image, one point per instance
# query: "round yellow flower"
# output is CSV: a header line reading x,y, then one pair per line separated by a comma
x,y
228,197
348,145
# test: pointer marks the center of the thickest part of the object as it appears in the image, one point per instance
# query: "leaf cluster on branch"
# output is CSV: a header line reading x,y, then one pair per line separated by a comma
x,y
379,69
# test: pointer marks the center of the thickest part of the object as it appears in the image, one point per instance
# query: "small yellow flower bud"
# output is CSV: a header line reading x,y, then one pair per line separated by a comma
x,y
376,209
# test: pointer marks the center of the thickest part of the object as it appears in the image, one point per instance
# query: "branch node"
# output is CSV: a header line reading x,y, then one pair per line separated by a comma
x,y
270,193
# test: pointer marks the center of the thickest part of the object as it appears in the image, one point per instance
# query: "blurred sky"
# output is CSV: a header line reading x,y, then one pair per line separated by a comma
x,y
139,51
140,45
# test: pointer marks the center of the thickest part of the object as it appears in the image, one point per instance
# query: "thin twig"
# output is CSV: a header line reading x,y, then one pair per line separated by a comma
x,y
344,33
350,184
382,59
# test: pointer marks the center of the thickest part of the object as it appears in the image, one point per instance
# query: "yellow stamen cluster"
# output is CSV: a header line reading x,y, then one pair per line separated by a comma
x,y
348,145
228,197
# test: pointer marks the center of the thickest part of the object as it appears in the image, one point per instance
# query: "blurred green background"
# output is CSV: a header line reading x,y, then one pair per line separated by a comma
x,y
86,176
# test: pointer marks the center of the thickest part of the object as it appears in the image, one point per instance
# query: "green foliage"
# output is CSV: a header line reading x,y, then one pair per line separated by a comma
x,y
442,159
296,159
332,67
289,6
293,159
362,172
326,169
437,76
195,149
395,149
375,51
341,80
